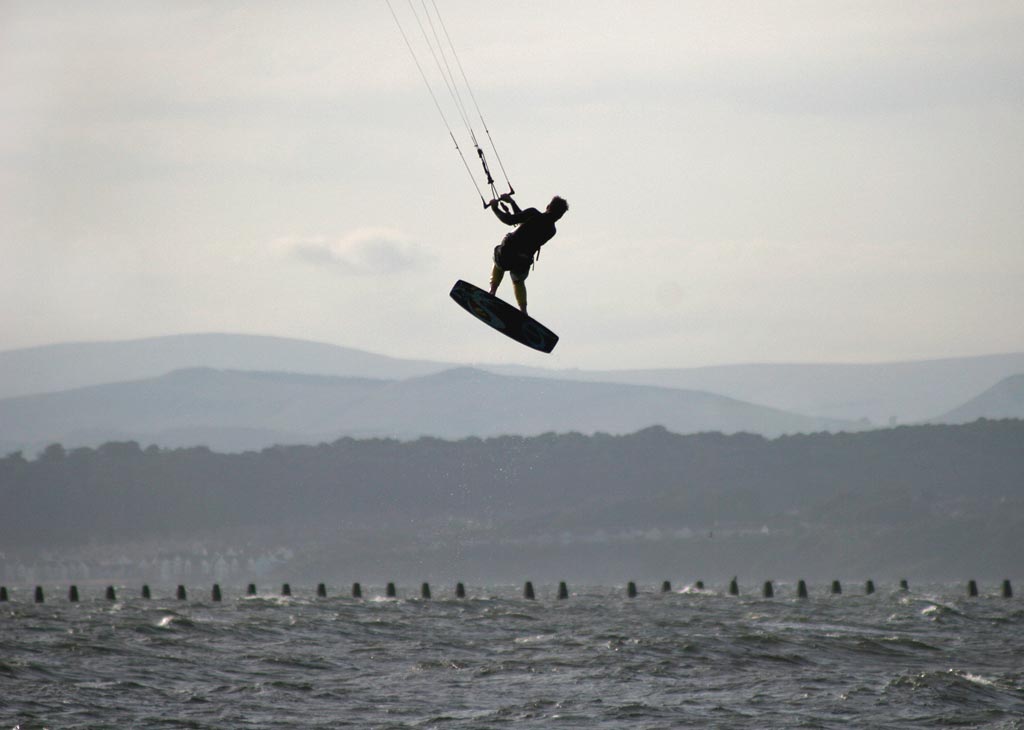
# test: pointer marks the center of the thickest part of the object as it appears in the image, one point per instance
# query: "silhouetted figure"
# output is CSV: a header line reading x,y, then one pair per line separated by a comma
x,y
517,250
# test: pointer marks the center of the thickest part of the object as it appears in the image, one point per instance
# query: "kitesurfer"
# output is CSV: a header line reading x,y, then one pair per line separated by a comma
x,y
517,250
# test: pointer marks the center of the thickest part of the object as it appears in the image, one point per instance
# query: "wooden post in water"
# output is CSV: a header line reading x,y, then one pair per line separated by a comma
x,y
111,593
1007,589
145,591
40,598
801,589
734,587
215,593
837,588
666,586
182,593
631,590
73,594
321,590
769,589
869,587
425,591
286,589
563,591
3,594
357,590
391,592
528,593
250,590
460,590
904,585
699,585
972,589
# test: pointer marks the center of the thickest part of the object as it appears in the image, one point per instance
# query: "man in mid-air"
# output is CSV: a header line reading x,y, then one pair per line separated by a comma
x,y
517,250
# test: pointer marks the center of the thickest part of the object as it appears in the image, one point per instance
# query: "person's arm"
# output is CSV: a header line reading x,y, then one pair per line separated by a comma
x,y
515,217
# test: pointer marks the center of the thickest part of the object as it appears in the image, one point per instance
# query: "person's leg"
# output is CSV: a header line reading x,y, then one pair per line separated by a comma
x,y
520,289
519,286
497,274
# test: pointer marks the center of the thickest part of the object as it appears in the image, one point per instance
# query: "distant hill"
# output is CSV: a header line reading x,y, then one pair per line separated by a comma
x,y
53,368
1005,399
882,393
231,410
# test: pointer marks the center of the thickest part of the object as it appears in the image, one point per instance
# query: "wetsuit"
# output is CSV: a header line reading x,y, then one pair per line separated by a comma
x,y
517,249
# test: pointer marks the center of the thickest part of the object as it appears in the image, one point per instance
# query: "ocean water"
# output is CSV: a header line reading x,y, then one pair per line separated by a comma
x,y
927,658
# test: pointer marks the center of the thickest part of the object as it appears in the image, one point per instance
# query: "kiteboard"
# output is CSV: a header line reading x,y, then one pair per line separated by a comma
x,y
503,317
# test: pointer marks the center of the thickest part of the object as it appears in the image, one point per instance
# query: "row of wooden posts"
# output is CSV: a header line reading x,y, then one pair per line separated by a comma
x,y
767,591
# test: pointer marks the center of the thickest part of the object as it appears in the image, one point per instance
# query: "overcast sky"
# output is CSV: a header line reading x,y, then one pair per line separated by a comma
x,y
762,181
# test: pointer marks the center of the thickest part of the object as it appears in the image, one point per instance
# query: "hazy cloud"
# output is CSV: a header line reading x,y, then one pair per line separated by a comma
x,y
364,251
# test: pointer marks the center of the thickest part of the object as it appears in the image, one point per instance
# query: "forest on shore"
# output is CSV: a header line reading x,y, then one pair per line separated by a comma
x,y
649,479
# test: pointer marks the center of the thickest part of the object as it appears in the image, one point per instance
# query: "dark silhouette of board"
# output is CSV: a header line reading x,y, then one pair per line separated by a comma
x,y
503,317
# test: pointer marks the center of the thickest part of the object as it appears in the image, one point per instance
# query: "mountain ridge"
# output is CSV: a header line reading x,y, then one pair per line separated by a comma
x,y
875,393
256,409
32,370
1005,399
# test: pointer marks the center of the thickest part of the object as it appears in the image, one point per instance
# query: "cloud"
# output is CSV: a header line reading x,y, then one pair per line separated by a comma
x,y
362,252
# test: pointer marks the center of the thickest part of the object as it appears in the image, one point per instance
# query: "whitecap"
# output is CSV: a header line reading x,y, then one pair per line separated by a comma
x,y
977,679
538,639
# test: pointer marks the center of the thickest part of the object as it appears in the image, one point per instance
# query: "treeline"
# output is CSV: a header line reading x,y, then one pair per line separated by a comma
x,y
653,477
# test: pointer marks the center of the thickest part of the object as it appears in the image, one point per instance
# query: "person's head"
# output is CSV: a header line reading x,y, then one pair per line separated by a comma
x,y
557,207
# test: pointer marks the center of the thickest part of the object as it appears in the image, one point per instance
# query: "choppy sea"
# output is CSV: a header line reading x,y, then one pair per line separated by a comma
x,y
928,658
